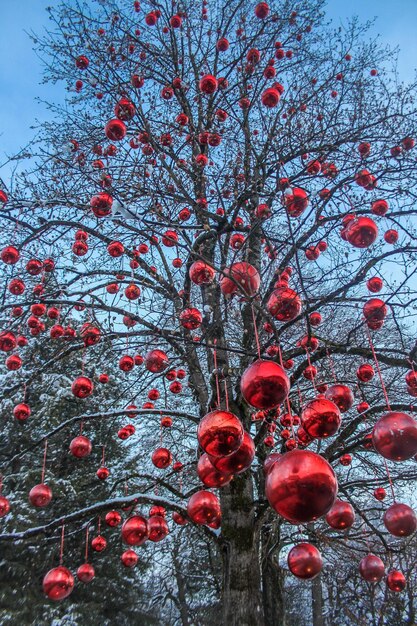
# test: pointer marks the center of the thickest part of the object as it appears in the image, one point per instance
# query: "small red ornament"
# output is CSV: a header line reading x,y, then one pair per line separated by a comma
x,y
99,543
208,84
4,506
342,397
191,318
201,273
85,573
161,458
115,130
396,581
58,583
209,475
264,384
220,433
103,473
40,495
361,232
10,255
135,530
156,361
237,462
321,418
80,447
380,494
157,528
82,387
341,515
113,518
365,372
284,304
304,561
129,558
240,277
371,568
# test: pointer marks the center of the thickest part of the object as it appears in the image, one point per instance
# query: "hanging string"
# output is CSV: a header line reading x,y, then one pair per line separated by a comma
x,y
99,524
83,361
309,363
389,480
44,461
331,363
378,369
61,549
87,532
255,330
102,456
1,483
226,395
81,427
216,373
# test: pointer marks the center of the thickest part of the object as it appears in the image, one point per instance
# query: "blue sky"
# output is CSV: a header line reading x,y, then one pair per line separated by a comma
x,y
21,72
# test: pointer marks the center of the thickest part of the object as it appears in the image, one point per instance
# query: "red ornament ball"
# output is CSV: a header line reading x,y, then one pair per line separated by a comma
x,y
204,507
400,520
58,583
301,486
361,232
157,528
284,304
396,581
129,558
156,361
264,384
115,130
341,516
99,543
209,475
161,458
371,568
342,397
201,273
320,418
4,506
85,573
304,561
220,433
191,318
40,495
240,277
80,446
395,436
82,387
239,461
135,530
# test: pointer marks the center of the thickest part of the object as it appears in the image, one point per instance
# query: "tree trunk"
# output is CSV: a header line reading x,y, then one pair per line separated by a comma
x,y
317,601
242,597
272,577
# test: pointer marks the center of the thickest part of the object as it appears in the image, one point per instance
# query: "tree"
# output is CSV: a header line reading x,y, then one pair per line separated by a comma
x,y
193,204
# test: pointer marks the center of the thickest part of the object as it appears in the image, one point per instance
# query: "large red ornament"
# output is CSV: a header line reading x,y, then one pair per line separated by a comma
x,y
264,384
191,318
115,130
296,202
58,583
342,397
135,530
242,277
341,515
365,372
201,273
125,110
82,387
209,475
8,341
237,462
304,561
10,255
395,436
371,568
320,418
156,361
113,518
400,520
40,495
301,486
157,528
220,433
374,312
80,446
284,304
203,507
101,204
85,573
208,84
361,232
396,581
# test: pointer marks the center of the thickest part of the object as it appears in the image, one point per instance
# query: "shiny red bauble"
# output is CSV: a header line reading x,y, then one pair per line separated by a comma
x,y
391,236
380,494
103,473
10,255
284,304
4,506
209,475
99,543
262,10
156,361
301,486
191,318
220,433
371,568
396,581
80,446
126,363
201,273
208,84
237,462
395,436
125,110
320,418
129,558
365,372
341,515
240,277
203,507
342,397
374,312
82,387
85,573
101,204
115,130
40,495
179,519
58,583
375,284
115,249
304,561
13,362
161,458
379,207
113,518
135,530
361,232
157,528
270,97
400,520
296,202
8,341
264,384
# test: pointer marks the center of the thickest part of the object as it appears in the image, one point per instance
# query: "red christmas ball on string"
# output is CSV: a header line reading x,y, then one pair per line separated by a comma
x,y
395,436
99,543
304,561
209,475
113,518
220,433
161,458
320,418
125,110
156,361
80,446
101,204
374,312
135,530
82,387
203,507
237,462
40,495
10,255
85,573
208,84
191,318
129,558
264,384
21,411
365,372
157,528
342,397
396,581
380,494
8,341
341,515
115,130
375,284
400,520
58,583
284,304
4,506
361,232
201,273
301,486
371,568
240,277
103,473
